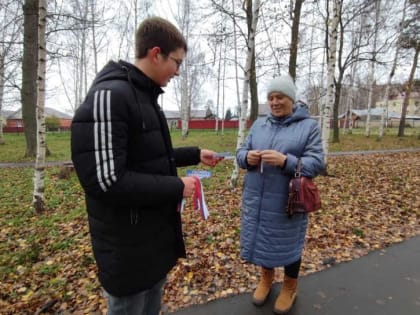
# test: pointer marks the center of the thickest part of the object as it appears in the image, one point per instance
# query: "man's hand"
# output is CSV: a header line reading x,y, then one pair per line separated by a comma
x,y
209,157
189,186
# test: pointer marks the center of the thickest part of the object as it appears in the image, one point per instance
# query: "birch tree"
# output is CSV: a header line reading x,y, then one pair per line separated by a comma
x,y
410,39
250,11
373,65
81,8
295,38
390,76
29,74
235,50
185,105
39,176
218,44
239,28
244,106
332,51
219,71
223,91
317,50
347,56
194,70
10,28
356,42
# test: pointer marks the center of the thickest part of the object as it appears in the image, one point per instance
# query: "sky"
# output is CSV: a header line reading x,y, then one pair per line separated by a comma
x,y
56,97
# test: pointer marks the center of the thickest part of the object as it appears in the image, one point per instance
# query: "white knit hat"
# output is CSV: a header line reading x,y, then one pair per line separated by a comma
x,y
283,84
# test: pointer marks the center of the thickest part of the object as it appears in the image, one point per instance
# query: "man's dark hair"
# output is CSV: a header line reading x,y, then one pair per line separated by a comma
x,y
159,32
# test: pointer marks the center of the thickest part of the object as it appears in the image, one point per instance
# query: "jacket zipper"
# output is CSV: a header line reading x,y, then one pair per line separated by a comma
x,y
134,216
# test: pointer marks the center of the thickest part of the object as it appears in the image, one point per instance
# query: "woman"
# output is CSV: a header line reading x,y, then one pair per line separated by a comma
x,y
269,238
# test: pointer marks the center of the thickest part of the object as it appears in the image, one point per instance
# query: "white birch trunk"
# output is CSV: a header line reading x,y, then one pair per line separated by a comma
x,y
219,69
185,103
350,98
84,65
326,114
235,49
388,84
372,66
311,43
82,62
39,182
322,97
136,17
223,92
348,119
2,75
244,105
94,44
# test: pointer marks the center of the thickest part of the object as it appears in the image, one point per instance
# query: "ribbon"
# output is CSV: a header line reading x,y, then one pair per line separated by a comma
x,y
199,202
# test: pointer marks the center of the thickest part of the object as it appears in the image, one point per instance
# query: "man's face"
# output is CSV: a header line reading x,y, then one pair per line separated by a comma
x,y
169,66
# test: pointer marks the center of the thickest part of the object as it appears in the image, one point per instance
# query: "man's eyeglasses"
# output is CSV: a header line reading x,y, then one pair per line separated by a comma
x,y
177,61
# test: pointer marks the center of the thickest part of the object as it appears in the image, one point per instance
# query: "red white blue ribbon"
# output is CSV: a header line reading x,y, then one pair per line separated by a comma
x,y
199,201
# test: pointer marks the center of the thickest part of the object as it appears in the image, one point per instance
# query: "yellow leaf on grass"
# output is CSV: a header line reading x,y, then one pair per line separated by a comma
x,y
27,296
189,276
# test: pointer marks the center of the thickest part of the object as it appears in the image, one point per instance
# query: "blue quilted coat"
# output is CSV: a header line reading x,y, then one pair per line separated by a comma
x,y
269,238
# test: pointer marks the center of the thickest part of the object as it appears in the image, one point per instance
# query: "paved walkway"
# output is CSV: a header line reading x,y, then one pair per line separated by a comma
x,y
384,282
32,164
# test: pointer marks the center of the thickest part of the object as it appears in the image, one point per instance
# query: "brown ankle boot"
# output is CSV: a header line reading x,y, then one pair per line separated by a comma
x,y
263,287
287,296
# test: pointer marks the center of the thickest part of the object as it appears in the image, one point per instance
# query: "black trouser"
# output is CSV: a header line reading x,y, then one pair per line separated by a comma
x,y
292,270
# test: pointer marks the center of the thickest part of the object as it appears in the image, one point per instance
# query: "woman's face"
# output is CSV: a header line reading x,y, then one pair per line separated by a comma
x,y
280,104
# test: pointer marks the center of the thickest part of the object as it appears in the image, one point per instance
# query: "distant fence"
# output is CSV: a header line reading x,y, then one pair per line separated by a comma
x,y
211,124
13,129
22,129
392,123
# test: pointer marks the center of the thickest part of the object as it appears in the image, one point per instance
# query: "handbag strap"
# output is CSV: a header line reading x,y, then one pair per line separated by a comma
x,y
298,172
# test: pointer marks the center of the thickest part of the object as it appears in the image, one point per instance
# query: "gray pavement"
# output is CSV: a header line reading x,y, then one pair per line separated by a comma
x,y
32,164
384,282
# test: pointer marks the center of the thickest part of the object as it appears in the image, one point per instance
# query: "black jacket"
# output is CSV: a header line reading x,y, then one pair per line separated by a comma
x,y
123,156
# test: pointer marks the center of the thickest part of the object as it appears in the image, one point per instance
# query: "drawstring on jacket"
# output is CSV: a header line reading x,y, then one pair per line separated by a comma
x,y
130,81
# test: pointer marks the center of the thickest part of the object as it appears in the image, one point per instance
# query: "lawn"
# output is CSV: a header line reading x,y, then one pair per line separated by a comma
x,y
369,202
59,142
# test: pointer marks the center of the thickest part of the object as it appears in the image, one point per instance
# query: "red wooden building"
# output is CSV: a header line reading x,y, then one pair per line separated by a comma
x,y
14,121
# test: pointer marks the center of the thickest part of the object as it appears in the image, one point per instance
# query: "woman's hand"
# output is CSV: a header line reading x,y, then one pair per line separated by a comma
x,y
253,157
273,157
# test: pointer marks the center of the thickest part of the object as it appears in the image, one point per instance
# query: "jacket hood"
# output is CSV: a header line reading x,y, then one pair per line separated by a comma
x,y
125,71
300,112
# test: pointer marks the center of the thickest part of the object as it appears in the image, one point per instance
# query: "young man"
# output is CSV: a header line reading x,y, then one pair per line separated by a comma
x,y
123,156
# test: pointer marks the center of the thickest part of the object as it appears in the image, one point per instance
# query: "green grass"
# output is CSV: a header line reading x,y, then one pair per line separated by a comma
x,y
14,148
59,142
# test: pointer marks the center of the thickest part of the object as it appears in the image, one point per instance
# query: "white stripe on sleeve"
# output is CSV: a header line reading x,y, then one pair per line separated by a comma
x,y
102,130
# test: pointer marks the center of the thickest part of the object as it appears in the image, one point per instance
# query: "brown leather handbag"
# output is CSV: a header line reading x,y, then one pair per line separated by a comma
x,y
303,193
